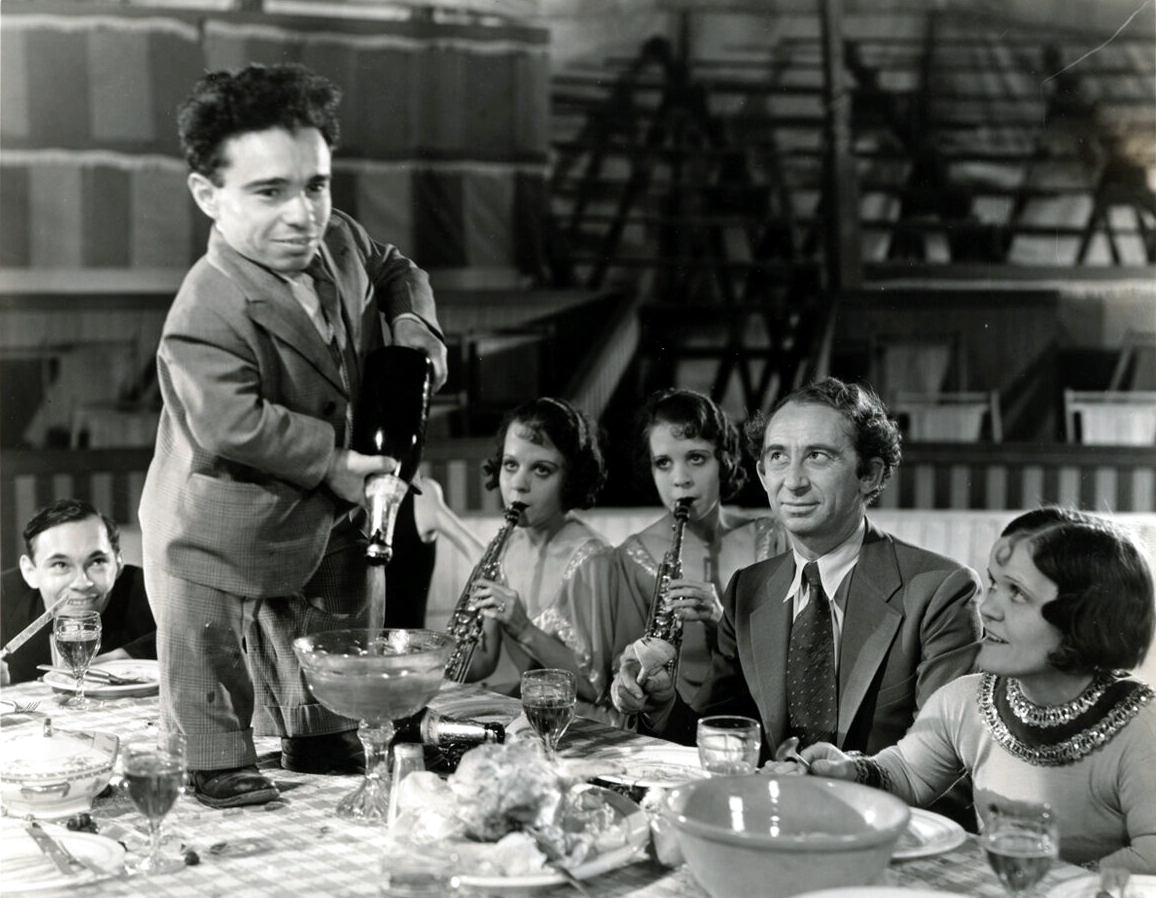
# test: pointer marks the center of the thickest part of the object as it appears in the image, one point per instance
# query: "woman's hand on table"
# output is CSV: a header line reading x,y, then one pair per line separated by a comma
x,y
826,760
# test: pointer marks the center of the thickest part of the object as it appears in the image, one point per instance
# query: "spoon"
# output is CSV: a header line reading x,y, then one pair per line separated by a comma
x,y
788,750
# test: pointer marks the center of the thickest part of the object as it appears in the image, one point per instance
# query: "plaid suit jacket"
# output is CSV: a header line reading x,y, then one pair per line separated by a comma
x,y
253,409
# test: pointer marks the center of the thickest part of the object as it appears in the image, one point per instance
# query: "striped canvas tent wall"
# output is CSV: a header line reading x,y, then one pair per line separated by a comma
x,y
443,150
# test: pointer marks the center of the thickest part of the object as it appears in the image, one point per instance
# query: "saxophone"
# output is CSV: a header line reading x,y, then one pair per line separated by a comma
x,y
465,623
661,622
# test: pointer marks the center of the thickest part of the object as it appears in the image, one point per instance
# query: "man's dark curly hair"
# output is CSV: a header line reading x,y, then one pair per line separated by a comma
x,y
693,416
225,104
1104,609
874,432
66,511
573,435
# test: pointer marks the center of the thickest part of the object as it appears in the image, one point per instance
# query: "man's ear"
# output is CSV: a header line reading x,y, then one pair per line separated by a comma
x,y
873,479
204,193
29,571
762,472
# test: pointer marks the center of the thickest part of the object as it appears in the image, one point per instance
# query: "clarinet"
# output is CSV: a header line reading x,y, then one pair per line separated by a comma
x,y
661,622
465,623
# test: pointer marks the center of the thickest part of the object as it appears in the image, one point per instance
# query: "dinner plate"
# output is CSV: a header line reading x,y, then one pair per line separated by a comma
x,y
647,766
1139,886
637,830
136,668
28,869
927,834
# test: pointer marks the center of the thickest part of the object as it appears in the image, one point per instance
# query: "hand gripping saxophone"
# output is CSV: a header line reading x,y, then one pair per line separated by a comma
x,y
662,623
466,623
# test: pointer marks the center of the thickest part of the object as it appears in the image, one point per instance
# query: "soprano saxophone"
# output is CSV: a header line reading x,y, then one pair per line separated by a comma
x,y
662,623
466,623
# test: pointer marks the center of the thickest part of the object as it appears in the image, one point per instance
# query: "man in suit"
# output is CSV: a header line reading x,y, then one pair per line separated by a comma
x,y
900,619
245,505
72,551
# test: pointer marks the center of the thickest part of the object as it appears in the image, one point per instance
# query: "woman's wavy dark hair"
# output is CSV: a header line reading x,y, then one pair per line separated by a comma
x,y
572,433
225,104
1105,609
874,432
693,416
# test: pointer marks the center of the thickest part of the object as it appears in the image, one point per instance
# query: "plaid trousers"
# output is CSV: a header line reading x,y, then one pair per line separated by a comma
x,y
227,664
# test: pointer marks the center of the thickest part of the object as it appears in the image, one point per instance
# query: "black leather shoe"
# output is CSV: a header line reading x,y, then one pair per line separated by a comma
x,y
335,753
233,787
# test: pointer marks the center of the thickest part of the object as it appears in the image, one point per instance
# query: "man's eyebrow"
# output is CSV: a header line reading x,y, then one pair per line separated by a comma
x,y
266,182
809,447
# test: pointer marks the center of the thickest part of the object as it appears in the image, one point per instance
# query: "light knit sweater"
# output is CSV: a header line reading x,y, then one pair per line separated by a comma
x,y
1105,801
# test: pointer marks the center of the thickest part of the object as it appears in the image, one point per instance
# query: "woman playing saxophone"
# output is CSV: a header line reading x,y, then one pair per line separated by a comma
x,y
689,449
537,610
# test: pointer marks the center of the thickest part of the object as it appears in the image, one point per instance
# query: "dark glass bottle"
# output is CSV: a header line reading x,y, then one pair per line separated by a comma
x,y
444,739
430,728
389,419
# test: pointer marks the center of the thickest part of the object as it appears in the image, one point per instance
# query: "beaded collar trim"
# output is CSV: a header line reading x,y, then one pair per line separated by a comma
x,y
1062,742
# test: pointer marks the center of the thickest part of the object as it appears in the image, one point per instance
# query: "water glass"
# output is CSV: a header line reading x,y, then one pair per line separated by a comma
x,y
1020,842
408,871
76,638
728,745
154,775
549,697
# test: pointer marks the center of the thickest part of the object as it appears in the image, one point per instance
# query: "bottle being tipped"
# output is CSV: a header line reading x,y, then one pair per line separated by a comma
x,y
390,419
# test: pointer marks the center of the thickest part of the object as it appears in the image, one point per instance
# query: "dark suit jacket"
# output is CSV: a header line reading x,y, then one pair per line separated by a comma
x,y
126,622
909,627
254,406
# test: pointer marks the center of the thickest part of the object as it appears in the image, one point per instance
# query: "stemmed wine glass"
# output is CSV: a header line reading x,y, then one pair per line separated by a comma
x,y
76,635
1021,842
549,696
154,775
375,677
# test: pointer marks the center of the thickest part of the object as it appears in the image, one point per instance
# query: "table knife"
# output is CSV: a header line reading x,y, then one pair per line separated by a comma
x,y
49,847
95,673
32,629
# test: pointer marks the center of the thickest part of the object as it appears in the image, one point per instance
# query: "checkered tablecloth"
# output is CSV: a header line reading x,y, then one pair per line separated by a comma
x,y
297,845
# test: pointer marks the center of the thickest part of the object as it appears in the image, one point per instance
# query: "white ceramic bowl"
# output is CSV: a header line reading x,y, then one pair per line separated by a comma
x,y
55,773
778,836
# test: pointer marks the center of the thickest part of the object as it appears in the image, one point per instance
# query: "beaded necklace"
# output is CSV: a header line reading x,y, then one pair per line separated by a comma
x,y
1085,727
1055,715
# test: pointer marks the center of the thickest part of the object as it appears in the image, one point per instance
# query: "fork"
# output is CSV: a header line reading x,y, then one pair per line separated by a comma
x,y
21,707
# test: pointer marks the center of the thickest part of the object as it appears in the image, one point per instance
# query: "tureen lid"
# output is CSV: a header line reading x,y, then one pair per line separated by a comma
x,y
55,753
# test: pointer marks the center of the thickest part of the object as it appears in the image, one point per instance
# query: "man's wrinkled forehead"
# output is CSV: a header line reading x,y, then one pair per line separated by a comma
x,y
87,536
812,411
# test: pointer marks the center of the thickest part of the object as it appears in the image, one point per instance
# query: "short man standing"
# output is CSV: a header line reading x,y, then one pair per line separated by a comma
x,y
72,551
844,637
259,367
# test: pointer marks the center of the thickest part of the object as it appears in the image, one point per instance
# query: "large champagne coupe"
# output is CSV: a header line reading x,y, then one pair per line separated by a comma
x,y
76,635
154,775
548,699
376,677
1020,842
